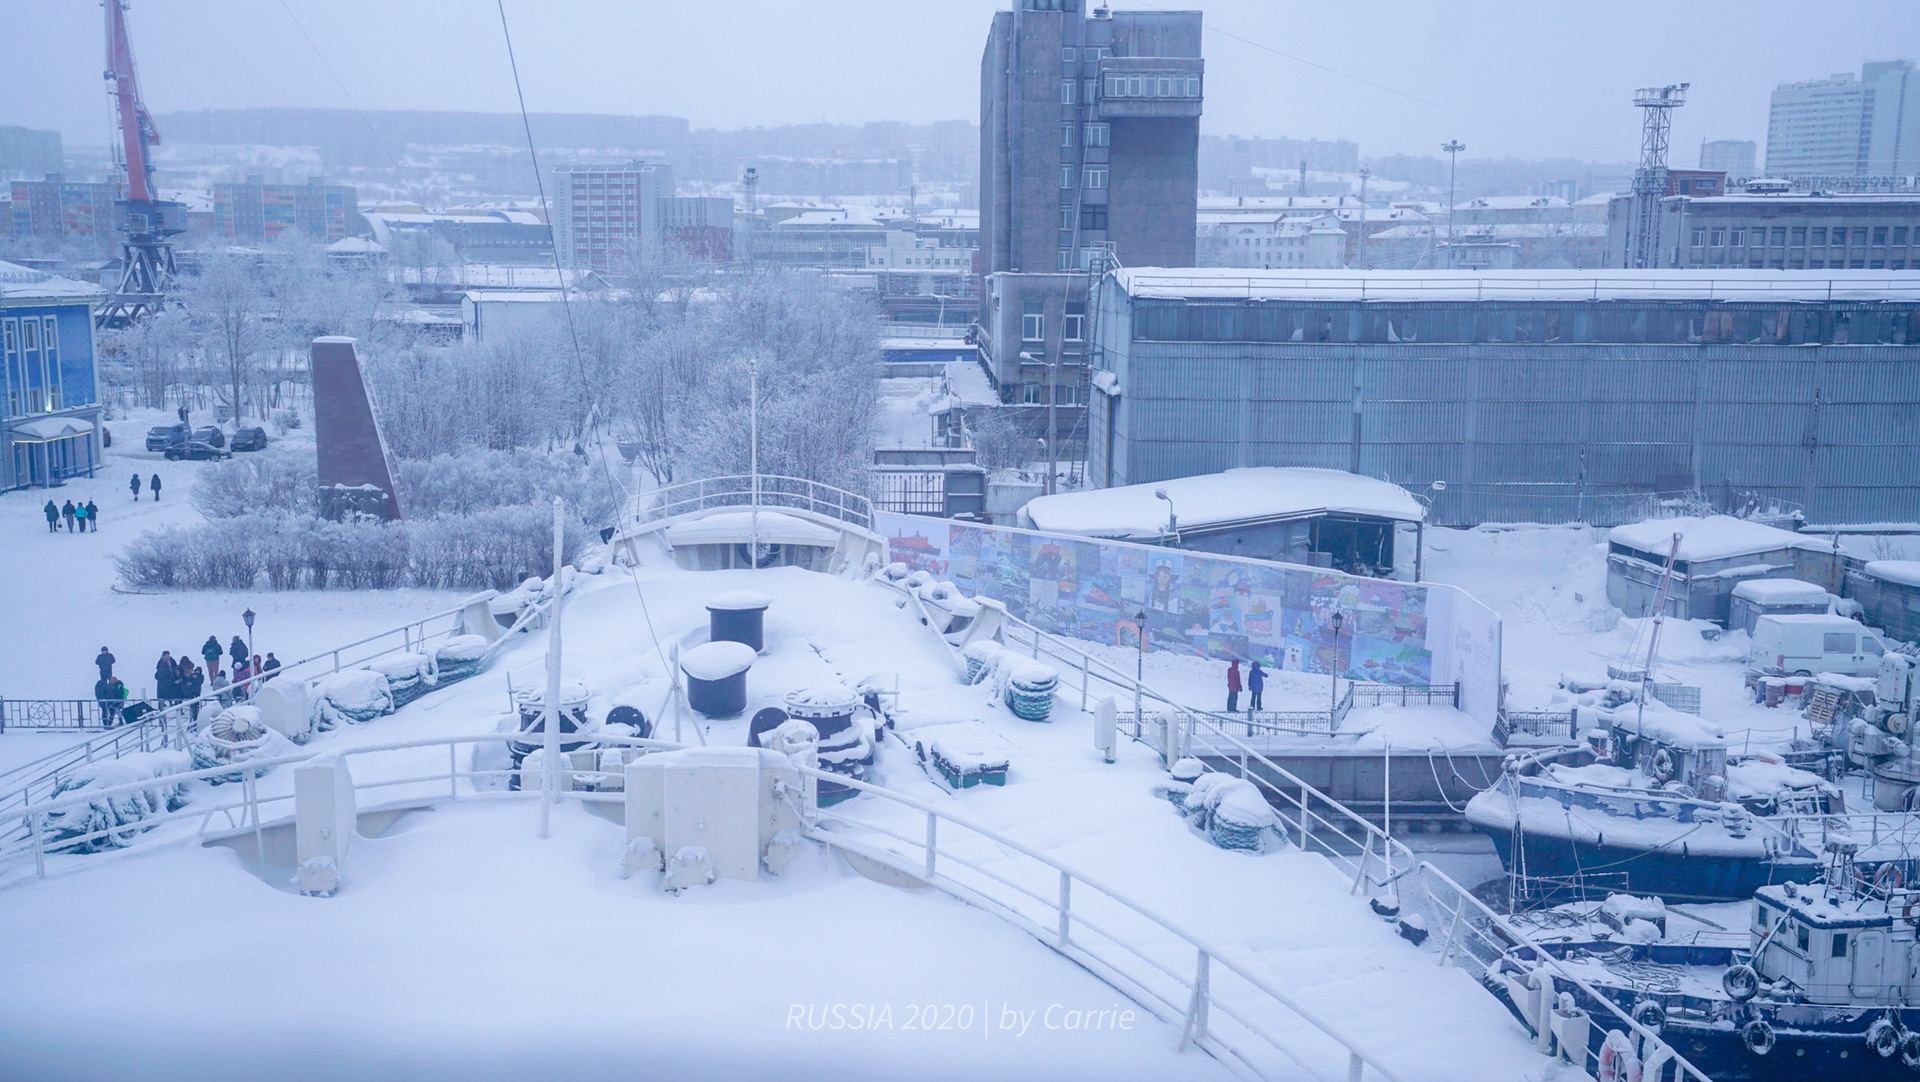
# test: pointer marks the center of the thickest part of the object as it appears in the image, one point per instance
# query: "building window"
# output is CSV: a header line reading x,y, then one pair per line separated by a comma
x,y
1063,259
1093,216
1820,237
50,357
1067,54
1032,394
1087,87
1096,176
1075,327
1066,216
1066,135
1067,88
1193,86
1699,238
1066,175
1879,235
1860,237
1799,239
1719,238
1116,86
1780,236
1095,135
1033,322
1067,394
1839,944
1738,238
1899,236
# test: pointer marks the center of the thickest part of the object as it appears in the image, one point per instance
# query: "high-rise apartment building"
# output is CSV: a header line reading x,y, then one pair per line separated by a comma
x,y
1847,126
57,207
28,152
608,217
254,209
1089,147
1734,157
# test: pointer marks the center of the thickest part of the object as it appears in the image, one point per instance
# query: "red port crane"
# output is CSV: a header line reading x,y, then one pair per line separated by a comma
x,y
146,223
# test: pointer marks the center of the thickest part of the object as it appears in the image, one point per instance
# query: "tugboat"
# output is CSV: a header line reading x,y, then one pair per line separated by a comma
x,y
1820,989
1654,805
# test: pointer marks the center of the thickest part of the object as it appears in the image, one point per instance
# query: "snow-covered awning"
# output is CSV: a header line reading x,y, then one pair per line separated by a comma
x,y
737,527
1236,497
49,429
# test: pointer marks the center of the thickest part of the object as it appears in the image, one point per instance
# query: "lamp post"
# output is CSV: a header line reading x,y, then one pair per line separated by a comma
x,y
1453,147
1139,664
247,619
1333,708
1173,520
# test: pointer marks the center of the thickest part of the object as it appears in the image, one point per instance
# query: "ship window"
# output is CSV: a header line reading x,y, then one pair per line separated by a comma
x,y
1839,944
1800,936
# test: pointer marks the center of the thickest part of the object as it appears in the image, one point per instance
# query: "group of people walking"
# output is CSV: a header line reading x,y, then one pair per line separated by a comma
x,y
179,680
79,516
153,485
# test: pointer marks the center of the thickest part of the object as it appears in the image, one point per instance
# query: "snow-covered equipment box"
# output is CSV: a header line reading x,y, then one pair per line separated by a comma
x,y
718,811
964,753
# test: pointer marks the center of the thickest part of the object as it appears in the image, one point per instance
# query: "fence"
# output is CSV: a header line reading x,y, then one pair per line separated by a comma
x,y
74,714
774,492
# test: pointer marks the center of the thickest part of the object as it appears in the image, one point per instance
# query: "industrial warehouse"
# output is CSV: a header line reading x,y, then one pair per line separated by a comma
x,y
1542,396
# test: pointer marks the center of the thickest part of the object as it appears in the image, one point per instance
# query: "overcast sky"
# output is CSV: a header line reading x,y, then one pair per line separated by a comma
x,y
1509,78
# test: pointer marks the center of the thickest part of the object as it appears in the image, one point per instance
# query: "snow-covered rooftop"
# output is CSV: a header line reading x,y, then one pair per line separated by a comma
x,y
1719,537
1217,499
1904,572
20,283
1781,591
1544,285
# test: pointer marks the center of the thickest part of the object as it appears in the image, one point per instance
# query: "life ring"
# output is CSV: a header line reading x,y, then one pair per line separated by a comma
x,y
1890,878
1884,1038
1617,1061
1651,1015
1758,1036
1662,766
1896,724
1741,982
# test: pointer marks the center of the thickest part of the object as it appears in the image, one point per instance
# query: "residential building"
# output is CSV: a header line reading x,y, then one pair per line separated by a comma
x,y
1782,231
1734,157
1846,125
1089,144
49,398
608,217
1528,396
500,236
55,207
29,152
1279,242
256,210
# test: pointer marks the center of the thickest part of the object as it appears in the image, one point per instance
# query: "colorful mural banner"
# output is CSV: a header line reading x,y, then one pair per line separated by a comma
x,y
1217,607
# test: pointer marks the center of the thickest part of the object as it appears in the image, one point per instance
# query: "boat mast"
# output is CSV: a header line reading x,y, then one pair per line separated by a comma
x,y
1659,616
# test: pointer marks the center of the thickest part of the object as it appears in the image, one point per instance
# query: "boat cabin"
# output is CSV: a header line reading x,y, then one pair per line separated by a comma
x,y
1835,946
1669,747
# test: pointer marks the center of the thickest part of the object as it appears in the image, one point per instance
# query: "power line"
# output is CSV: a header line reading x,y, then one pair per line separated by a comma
x,y
371,130
1606,156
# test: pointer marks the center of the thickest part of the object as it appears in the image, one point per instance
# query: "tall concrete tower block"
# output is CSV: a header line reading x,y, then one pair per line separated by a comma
x,y
356,477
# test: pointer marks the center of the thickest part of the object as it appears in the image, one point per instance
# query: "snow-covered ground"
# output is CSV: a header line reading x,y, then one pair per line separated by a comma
x,y
64,604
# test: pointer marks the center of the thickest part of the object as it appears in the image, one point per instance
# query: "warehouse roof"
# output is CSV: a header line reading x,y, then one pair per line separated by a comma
x,y
20,283
1231,283
1717,537
1221,499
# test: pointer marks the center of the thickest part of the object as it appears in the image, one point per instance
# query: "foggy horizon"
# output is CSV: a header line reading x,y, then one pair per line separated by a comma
x,y
1400,80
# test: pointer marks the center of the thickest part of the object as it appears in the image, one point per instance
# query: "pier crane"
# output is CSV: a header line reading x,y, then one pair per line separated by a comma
x,y
146,222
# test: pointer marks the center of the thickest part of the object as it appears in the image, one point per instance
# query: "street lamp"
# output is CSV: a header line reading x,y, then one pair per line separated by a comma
x,y
247,619
1139,664
1334,707
1453,147
1173,521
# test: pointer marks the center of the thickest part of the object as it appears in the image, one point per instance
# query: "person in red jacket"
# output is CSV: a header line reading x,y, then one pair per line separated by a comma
x,y
1233,685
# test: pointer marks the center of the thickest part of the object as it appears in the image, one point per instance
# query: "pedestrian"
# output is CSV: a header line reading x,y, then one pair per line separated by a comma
x,y
259,671
53,516
194,682
237,650
220,683
1233,685
93,516
66,512
116,702
165,675
103,697
80,516
105,660
241,674
154,484
210,650
1256,683
135,486
268,667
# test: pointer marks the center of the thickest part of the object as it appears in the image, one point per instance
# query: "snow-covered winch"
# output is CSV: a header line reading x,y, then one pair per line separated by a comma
x,y
738,616
717,677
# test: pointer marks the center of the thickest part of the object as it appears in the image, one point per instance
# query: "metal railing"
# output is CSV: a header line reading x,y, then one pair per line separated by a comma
x,y
1215,997
1476,938
775,492
51,714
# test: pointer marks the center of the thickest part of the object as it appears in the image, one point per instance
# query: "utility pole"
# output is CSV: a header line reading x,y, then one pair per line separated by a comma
x,y
1053,394
1453,147
1364,175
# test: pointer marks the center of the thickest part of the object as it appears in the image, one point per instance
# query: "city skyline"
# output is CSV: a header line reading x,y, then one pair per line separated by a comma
x,y
1405,78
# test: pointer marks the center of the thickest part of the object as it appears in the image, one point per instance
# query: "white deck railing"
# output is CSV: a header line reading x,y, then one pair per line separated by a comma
x,y
738,491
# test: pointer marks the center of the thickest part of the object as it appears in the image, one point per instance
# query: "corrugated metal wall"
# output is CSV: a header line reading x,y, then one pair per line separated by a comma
x,y
1539,432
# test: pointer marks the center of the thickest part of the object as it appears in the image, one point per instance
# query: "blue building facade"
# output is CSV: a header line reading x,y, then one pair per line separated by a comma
x,y
49,394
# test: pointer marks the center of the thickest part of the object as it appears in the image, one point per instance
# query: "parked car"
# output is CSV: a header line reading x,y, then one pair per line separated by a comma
x,y
211,434
196,450
249,439
1805,645
161,437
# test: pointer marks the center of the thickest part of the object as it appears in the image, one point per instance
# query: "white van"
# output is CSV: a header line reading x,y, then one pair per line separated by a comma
x,y
1808,645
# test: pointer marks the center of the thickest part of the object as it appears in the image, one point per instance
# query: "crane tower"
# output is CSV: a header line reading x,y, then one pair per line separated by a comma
x,y
1650,180
145,222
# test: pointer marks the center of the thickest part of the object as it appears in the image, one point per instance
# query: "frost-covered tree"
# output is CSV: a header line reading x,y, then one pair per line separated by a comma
x,y
225,304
